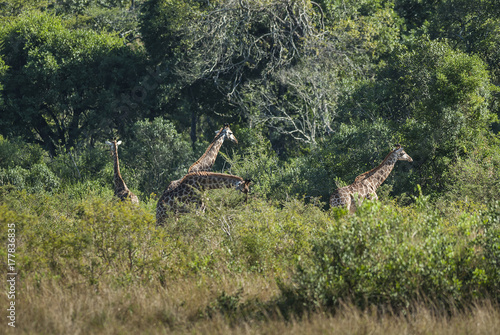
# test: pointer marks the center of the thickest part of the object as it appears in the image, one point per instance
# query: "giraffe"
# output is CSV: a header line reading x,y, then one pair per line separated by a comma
x,y
207,160
121,189
365,185
189,188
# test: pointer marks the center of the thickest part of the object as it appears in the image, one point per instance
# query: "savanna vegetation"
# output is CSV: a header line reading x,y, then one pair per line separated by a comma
x,y
316,93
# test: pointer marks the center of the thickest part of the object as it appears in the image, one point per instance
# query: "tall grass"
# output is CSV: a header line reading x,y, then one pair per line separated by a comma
x,y
89,264
144,309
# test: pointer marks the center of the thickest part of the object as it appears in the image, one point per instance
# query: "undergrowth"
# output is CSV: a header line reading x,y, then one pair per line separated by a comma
x,y
254,261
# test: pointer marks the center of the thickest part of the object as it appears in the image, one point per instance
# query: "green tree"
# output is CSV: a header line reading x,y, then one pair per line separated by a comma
x,y
12,8
119,16
214,49
369,27
65,85
3,70
158,154
299,102
439,99
279,62
471,26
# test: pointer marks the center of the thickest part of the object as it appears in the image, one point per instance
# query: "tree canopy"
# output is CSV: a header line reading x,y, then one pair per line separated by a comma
x,y
63,83
310,79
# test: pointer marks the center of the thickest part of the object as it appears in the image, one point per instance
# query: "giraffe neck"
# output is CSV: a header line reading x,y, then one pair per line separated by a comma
x,y
207,160
118,180
378,175
209,180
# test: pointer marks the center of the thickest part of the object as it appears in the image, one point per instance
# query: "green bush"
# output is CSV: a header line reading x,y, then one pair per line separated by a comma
x,y
84,238
23,166
255,159
18,153
101,240
490,246
80,190
40,177
476,175
86,163
14,176
269,238
394,257
36,179
383,255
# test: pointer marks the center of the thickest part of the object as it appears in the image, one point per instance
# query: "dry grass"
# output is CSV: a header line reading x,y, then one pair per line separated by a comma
x,y
180,307
481,320
192,278
50,307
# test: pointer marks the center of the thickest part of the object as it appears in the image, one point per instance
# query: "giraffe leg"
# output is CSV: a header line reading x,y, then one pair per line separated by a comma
x,y
160,214
351,204
201,206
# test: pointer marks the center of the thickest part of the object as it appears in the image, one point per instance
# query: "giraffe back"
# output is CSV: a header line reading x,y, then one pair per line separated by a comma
x,y
188,190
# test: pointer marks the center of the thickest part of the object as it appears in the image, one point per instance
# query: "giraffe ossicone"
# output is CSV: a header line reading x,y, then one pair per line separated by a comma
x,y
366,184
121,189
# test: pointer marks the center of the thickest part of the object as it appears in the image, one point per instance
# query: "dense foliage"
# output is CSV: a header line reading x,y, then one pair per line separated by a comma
x,y
92,246
329,88
316,92
393,257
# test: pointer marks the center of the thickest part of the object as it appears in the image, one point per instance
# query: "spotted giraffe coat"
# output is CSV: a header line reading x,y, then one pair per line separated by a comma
x,y
189,189
121,189
366,184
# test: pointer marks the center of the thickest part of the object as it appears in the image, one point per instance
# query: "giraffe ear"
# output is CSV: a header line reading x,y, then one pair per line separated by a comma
x,y
119,142
108,143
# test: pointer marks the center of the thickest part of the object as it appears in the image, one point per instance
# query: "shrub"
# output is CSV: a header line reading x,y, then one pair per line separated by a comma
x,y
23,166
257,161
40,177
476,176
14,176
37,179
17,153
490,245
83,237
86,163
393,257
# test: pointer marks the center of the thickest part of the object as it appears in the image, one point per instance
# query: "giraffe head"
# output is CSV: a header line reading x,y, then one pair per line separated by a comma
x,y
401,155
226,133
244,186
113,145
